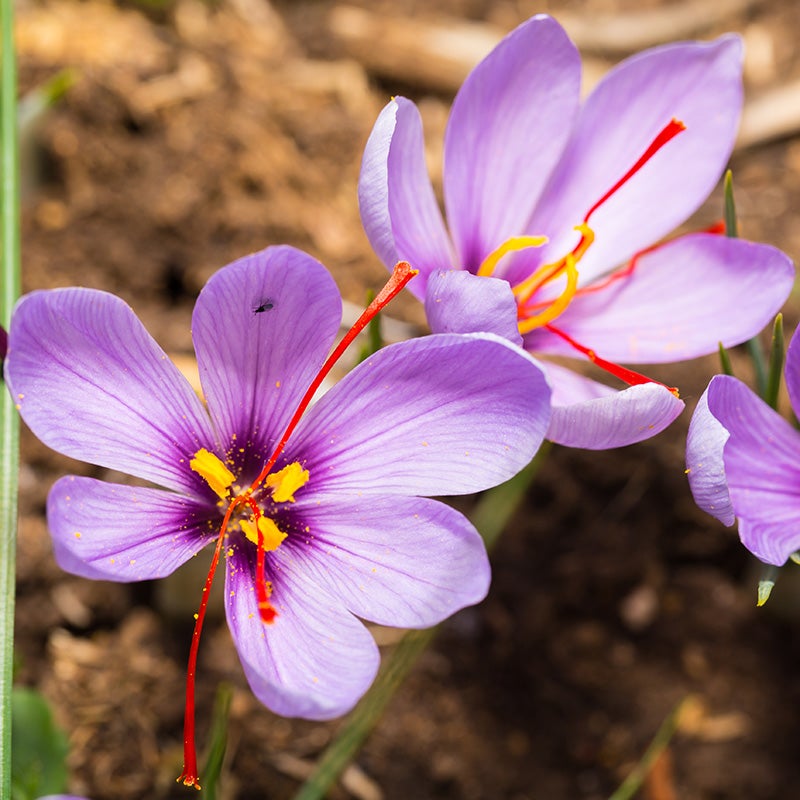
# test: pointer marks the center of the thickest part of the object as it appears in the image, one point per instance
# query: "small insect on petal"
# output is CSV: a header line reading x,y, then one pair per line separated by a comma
x,y
263,305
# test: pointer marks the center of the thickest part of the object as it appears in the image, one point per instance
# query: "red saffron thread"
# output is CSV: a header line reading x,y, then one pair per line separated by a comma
x,y
401,275
626,375
667,133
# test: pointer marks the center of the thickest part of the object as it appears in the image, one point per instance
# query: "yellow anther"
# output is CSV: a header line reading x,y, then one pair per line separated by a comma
x,y
285,482
213,471
511,245
559,305
271,534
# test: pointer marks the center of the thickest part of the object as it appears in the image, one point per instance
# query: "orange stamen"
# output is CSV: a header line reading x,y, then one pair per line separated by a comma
x,y
401,275
626,375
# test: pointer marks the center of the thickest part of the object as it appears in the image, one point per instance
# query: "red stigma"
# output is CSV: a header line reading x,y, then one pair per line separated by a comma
x,y
668,132
401,275
626,375
525,306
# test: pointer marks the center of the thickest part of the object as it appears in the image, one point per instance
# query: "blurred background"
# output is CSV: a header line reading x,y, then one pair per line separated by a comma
x,y
195,132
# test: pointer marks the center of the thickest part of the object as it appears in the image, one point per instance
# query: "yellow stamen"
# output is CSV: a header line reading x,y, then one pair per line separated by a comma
x,y
285,482
509,246
213,471
271,534
559,305
547,272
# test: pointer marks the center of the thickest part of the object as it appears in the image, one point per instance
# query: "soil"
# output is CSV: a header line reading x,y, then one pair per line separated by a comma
x,y
198,132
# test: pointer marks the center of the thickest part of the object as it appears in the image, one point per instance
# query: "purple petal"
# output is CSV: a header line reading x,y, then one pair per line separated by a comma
x,y
460,302
696,83
407,562
509,124
705,467
681,300
112,532
762,468
62,797
315,660
444,414
91,383
398,207
262,328
632,415
570,387
791,372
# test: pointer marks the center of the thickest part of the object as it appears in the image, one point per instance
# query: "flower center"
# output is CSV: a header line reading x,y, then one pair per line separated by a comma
x,y
263,531
533,313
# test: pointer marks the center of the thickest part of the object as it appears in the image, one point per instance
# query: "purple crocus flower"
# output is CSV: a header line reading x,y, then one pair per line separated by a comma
x,y
554,208
743,462
323,520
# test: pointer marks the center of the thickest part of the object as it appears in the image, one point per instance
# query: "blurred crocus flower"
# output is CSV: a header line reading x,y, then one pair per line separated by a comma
x,y
554,208
323,520
743,463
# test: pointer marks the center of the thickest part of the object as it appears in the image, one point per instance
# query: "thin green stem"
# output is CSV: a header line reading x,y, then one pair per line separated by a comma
x,y
9,424
490,516
753,345
631,785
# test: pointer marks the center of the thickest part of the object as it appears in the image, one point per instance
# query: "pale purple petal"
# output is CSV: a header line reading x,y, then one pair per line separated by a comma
x,y
316,659
762,469
398,207
444,414
696,83
262,328
623,418
62,797
681,300
460,302
570,387
705,466
510,122
406,562
108,531
91,383
791,372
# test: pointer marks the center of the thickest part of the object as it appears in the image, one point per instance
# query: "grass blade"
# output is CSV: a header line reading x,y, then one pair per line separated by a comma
x,y
9,423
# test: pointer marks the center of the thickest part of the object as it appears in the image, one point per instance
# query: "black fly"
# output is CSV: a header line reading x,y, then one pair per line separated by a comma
x,y
264,305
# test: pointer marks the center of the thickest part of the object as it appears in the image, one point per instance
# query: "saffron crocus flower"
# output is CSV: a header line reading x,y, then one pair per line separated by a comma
x,y
323,520
554,209
743,462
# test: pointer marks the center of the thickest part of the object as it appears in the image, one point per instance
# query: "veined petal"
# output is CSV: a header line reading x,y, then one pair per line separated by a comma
x,y
762,469
108,531
406,562
460,302
681,300
262,328
509,124
398,207
316,659
697,83
632,415
705,466
91,383
443,414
